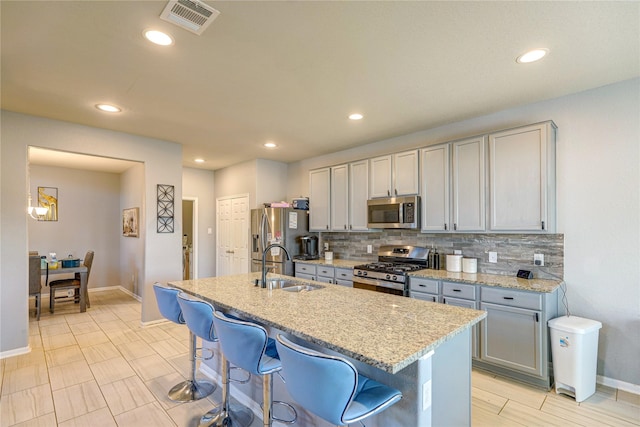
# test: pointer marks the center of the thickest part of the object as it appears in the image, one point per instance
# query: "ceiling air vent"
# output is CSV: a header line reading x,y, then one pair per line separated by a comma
x,y
192,15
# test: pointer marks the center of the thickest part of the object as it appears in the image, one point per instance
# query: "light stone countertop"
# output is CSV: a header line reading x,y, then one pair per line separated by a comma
x,y
386,331
336,262
534,285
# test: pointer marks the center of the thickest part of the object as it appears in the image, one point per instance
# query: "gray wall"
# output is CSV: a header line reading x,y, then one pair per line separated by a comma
x,y
598,204
88,219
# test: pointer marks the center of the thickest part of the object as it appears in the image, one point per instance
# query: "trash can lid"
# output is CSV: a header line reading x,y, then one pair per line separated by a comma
x,y
575,324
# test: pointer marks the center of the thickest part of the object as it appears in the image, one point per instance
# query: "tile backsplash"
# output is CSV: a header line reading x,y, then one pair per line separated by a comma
x,y
515,251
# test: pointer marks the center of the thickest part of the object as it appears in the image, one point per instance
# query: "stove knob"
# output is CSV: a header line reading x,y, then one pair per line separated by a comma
x,y
388,276
364,273
395,277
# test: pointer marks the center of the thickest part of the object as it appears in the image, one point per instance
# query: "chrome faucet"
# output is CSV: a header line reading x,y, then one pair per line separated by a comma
x,y
264,261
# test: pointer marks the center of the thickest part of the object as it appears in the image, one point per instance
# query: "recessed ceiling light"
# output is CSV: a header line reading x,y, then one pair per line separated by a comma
x,y
532,56
158,37
355,116
108,108
270,144
198,160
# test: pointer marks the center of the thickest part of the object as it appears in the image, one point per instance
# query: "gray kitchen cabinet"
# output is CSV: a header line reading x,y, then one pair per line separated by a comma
x,y
463,295
468,181
358,195
348,196
424,289
339,199
319,199
514,336
343,276
522,178
435,188
325,274
395,175
306,271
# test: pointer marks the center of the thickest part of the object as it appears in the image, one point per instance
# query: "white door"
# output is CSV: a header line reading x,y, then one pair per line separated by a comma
x,y
232,235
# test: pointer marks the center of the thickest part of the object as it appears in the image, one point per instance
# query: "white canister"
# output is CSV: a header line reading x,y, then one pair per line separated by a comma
x,y
470,265
328,256
454,263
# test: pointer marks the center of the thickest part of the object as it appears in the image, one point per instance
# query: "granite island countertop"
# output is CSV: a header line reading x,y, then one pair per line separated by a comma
x,y
533,285
386,331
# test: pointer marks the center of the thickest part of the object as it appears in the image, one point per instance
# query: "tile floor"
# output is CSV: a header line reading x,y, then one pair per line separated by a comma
x,y
100,368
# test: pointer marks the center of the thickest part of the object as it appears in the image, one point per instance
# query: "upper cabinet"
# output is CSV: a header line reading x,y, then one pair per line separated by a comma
x,y
436,188
358,195
395,175
522,179
453,186
468,180
339,198
319,199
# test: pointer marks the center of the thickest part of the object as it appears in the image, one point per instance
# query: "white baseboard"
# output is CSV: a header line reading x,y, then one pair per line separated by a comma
x,y
620,385
15,352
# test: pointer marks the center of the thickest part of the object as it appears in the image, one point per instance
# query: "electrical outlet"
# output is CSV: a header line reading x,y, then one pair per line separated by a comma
x,y
493,257
369,249
538,259
326,246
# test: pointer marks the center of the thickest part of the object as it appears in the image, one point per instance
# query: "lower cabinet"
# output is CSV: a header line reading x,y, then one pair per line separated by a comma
x,y
513,340
325,274
462,295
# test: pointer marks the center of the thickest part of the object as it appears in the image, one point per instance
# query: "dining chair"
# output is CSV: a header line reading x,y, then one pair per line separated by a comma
x,y
66,284
35,282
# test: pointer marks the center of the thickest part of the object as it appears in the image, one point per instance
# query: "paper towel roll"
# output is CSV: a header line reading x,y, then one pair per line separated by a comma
x,y
454,263
470,265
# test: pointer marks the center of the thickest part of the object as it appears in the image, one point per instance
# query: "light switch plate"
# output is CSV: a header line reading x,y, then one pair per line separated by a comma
x,y
538,259
493,257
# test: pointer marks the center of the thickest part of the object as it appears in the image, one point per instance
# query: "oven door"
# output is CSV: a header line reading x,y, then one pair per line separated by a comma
x,y
379,286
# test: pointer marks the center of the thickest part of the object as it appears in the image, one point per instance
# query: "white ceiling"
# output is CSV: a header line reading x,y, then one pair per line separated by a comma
x,y
291,72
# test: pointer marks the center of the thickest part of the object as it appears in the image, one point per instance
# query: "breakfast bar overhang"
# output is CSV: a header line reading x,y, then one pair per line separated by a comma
x,y
418,347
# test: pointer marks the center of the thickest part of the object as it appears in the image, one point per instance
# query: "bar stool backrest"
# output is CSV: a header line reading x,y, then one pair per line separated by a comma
x,y
167,298
199,316
322,384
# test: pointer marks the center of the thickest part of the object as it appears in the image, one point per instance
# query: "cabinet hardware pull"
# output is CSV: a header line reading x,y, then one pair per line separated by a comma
x,y
396,191
455,226
327,226
345,226
537,318
543,225
445,226
434,299
507,297
388,192
457,290
444,300
350,227
423,286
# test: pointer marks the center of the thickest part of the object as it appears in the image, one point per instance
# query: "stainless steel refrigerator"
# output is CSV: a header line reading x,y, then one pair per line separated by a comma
x,y
277,225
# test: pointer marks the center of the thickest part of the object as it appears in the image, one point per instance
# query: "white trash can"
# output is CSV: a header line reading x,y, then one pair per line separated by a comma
x,y
574,348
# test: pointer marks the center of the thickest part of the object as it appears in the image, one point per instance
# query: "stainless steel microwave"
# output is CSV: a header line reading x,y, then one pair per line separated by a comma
x,y
394,212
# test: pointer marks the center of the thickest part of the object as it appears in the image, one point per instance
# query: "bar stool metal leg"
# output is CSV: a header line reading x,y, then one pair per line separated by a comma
x,y
227,414
191,389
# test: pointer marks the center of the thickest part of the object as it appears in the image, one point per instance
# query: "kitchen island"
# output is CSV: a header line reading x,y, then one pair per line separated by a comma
x,y
421,348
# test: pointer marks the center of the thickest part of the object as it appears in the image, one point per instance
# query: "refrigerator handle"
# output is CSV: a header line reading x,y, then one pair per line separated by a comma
x,y
263,231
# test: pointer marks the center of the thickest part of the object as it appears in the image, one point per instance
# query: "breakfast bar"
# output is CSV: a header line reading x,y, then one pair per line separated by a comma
x,y
418,347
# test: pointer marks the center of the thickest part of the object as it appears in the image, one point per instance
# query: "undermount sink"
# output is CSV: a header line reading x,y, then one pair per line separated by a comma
x,y
302,288
290,285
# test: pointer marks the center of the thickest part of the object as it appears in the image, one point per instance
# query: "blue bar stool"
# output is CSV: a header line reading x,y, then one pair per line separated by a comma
x,y
248,346
199,317
191,389
330,386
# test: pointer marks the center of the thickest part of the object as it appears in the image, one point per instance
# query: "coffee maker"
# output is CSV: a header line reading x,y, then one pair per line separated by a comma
x,y
308,248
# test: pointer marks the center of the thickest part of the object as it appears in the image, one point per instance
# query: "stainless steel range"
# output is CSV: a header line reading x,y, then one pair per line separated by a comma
x,y
389,274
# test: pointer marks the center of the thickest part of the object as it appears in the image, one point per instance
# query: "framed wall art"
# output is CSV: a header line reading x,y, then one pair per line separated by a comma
x,y
166,194
48,198
130,222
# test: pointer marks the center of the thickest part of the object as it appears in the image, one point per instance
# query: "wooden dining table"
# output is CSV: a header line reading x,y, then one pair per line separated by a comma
x,y
82,272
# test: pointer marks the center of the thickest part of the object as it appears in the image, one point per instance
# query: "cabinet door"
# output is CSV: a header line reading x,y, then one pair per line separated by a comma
x,y
319,202
406,173
469,185
435,188
340,198
518,178
358,195
380,177
512,337
475,352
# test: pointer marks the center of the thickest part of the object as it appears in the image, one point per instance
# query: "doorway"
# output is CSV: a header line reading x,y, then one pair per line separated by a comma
x,y
189,238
